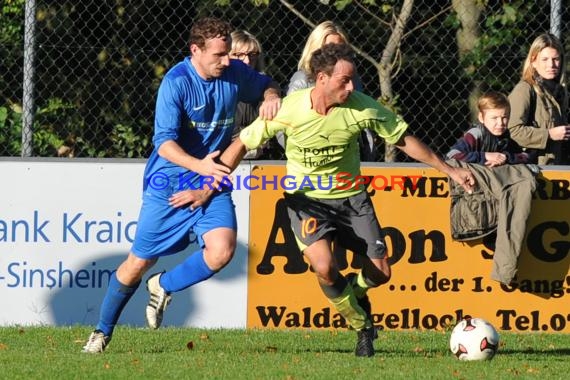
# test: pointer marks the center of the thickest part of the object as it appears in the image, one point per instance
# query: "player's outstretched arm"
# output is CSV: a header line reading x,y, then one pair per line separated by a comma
x,y
416,149
233,155
208,166
230,159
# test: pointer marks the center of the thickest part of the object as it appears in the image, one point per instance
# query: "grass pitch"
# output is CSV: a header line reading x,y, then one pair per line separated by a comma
x,y
184,353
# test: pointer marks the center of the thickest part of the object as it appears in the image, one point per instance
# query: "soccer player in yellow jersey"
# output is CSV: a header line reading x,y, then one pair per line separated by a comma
x,y
322,125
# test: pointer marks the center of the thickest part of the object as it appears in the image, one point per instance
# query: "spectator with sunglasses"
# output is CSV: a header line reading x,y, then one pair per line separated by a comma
x,y
247,49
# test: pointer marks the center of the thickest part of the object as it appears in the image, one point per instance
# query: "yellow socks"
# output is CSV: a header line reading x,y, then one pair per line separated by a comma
x,y
359,285
347,305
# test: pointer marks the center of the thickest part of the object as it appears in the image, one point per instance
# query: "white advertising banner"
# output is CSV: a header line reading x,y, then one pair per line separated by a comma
x,y
66,225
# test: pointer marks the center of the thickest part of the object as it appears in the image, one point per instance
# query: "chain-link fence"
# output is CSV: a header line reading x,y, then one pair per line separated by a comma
x,y
79,78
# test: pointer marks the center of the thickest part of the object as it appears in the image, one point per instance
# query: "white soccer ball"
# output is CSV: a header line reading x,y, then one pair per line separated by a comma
x,y
474,339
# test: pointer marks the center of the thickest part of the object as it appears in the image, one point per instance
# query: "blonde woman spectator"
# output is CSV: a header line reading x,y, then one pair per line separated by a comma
x,y
328,32
325,33
539,103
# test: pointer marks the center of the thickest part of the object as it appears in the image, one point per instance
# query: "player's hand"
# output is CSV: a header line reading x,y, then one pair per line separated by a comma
x,y
269,108
493,159
463,177
190,198
208,167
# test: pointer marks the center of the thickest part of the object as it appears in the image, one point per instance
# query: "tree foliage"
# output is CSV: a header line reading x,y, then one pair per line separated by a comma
x,y
99,64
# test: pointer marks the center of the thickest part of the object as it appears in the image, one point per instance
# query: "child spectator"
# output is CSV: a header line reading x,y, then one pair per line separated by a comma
x,y
488,142
501,200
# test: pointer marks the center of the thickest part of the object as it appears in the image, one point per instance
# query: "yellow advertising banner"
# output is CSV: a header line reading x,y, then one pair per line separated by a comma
x,y
435,280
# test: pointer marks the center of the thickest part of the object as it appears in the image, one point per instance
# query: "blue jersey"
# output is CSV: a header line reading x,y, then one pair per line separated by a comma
x,y
198,115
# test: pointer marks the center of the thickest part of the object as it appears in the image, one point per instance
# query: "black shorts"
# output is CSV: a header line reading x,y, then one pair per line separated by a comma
x,y
352,221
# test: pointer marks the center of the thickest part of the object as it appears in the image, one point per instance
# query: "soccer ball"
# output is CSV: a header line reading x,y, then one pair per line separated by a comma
x,y
474,339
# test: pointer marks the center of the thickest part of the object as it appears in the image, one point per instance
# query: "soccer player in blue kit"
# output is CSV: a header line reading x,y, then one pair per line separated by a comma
x,y
194,122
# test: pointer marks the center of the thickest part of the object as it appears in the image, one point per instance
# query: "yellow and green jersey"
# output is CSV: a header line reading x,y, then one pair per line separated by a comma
x,y
322,150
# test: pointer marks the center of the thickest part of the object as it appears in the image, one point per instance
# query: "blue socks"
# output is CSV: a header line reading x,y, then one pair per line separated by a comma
x,y
191,271
188,273
113,304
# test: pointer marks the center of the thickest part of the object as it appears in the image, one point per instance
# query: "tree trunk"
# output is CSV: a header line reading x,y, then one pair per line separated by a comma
x,y
468,13
385,66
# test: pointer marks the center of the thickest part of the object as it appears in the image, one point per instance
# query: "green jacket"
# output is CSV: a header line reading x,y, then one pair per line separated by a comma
x,y
501,203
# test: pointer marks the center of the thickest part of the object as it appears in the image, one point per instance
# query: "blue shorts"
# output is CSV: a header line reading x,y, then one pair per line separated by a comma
x,y
163,230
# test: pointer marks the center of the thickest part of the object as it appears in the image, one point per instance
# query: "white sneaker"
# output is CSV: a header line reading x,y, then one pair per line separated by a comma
x,y
157,303
96,343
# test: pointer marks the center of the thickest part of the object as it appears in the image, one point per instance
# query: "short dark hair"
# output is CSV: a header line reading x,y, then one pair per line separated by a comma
x,y
325,58
207,28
